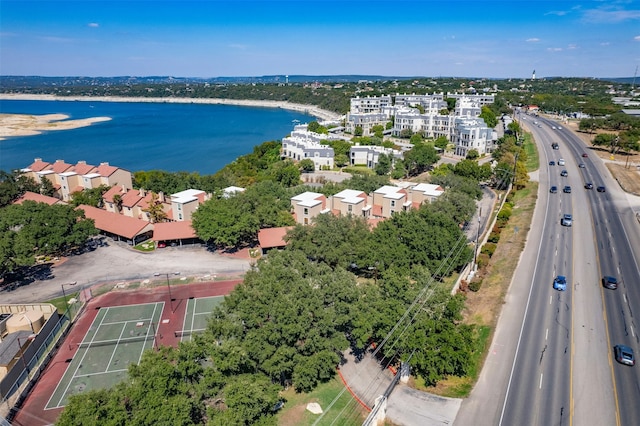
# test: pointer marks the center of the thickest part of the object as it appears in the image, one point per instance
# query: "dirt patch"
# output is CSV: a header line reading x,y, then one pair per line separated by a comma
x,y
627,178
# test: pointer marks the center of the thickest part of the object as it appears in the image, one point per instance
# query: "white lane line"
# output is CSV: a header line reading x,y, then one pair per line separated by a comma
x,y
550,299
618,268
546,335
540,387
632,333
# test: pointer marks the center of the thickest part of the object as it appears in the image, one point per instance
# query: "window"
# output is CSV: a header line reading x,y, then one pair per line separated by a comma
x,y
349,208
306,211
393,203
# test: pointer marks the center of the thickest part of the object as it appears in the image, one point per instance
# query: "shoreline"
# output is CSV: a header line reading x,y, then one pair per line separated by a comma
x,y
18,125
307,109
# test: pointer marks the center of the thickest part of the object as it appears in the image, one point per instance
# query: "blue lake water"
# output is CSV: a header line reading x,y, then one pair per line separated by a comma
x,y
145,136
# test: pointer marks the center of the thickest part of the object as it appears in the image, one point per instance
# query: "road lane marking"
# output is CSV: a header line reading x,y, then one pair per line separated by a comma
x,y
550,299
546,335
540,386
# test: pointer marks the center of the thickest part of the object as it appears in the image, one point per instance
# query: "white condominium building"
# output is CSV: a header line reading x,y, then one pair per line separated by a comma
x,y
303,144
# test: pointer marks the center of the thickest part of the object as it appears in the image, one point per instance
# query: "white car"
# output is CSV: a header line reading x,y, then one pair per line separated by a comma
x,y
561,162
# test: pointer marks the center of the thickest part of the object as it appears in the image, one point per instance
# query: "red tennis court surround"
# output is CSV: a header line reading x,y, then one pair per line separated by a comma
x,y
33,410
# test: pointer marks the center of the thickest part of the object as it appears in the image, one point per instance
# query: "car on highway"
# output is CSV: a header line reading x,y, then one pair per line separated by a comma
x,y
561,162
581,165
624,355
555,146
553,189
559,128
566,220
566,189
588,185
610,282
553,127
585,155
560,283
564,173
601,189
552,163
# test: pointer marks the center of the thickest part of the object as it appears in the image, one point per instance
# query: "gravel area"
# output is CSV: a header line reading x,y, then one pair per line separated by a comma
x,y
118,262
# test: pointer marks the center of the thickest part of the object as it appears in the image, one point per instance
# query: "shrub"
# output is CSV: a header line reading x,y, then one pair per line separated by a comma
x,y
483,260
494,237
475,285
504,214
488,249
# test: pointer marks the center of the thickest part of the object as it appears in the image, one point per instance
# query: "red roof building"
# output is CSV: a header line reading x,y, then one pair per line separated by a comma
x,y
117,226
270,238
38,198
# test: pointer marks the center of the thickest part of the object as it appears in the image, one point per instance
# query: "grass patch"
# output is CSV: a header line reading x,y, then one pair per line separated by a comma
x,y
294,411
145,246
533,161
61,304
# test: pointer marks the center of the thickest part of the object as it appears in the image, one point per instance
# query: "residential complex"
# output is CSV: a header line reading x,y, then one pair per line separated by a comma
x,y
303,144
423,114
381,204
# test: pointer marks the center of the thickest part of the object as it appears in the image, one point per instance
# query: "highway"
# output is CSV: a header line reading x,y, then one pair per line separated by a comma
x,y
551,360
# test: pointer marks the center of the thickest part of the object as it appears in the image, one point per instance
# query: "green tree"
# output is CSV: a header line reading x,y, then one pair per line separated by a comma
x,y
90,197
341,160
416,138
441,142
489,117
307,165
406,133
227,222
315,127
156,209
46,187
13,185
472,154
383,167
419,158
358,131
378,130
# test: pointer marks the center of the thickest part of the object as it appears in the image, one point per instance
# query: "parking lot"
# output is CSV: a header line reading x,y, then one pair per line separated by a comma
x,y
116,262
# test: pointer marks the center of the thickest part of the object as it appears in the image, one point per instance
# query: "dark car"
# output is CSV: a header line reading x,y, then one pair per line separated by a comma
x,y
581,165
601,189
610,282
584,155
567,189
553,189
564,173
588,185
560,283
624,355
552,163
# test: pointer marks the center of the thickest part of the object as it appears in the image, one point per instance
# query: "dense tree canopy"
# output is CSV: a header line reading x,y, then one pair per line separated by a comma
x,y
35,229
13,185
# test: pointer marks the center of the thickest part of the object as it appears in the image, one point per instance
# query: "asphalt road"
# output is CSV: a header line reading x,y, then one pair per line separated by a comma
x,y
118,262
550,361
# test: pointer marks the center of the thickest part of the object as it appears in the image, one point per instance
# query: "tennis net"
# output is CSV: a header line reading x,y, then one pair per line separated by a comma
x,y
181,333
114,342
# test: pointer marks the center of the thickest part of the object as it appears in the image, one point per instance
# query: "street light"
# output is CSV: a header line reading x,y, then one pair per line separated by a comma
x,y
157,274
28,339
66,304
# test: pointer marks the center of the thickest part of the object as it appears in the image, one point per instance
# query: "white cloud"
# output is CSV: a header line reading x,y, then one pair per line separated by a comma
x,y
557,12
554,49
610,16
637,38
572,46
93,24
533,40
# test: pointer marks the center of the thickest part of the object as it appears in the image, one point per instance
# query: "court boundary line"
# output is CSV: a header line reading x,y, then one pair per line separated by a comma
x,y
113,352
79,364
155,307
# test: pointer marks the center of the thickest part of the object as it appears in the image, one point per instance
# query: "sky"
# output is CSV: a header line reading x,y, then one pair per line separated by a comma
x,y
214,38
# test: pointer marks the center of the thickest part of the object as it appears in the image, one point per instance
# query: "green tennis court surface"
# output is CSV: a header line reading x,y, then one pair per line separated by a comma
x,y
117,337
197,313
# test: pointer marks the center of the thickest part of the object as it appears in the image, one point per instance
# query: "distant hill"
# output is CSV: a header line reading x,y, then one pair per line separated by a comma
x,y
10,82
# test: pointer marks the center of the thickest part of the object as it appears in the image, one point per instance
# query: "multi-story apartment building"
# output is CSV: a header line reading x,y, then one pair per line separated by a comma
x,y
351,202
472,133
303,144
480,99
67,178
369,155
184,203
382,204
366,121
370,104
307,206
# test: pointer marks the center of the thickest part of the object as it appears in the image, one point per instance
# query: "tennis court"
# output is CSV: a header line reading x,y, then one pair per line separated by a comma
x,y
197,313
117,337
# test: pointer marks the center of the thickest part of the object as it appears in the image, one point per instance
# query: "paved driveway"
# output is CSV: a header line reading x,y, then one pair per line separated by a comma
x,y
119,262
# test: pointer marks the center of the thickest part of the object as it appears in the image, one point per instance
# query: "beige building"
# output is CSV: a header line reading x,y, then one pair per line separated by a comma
x,y
67,178
351,202
307,206
184,203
